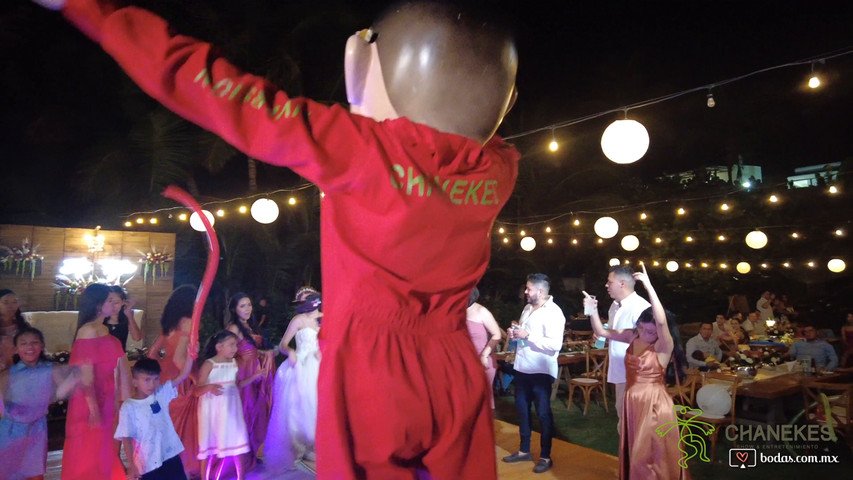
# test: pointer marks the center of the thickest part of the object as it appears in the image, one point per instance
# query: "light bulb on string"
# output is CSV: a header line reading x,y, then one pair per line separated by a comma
x,y
528,244
264,210
553,146
836,265
710,99
814,79
195,220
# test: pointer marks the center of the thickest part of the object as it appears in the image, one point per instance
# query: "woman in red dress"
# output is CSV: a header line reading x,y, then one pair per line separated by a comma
x,y
176,322
256,396
90,452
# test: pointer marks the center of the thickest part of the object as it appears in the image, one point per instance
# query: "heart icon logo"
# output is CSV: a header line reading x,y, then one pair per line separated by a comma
x,y
742,456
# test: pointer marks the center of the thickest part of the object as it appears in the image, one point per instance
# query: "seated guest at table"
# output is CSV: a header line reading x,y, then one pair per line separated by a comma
x,y
702,347
733,336
821,353
753,325
719,327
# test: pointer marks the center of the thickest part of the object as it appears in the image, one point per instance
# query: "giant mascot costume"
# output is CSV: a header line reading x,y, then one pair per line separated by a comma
x,y
413,178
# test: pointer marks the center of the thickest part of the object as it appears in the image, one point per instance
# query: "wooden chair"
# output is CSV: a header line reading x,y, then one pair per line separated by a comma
x,y
685,394
818,395
580,335
595,378
731,382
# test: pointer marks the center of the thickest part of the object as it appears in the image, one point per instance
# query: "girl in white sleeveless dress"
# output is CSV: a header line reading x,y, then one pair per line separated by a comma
x,y
293,421
221,428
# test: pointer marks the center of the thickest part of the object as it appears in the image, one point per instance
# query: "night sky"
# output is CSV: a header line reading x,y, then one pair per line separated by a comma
x,y
67,107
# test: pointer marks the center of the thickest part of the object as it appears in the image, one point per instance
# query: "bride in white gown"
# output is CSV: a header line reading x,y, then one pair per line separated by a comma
x,y
293,420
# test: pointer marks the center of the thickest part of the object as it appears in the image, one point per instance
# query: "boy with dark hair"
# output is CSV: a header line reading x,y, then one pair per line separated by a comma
x,y
145,427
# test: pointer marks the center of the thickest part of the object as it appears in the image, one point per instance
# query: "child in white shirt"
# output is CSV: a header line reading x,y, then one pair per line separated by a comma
x,y
145,428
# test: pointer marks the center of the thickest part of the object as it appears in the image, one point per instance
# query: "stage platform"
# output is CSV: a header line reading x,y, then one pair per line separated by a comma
x,y
570,461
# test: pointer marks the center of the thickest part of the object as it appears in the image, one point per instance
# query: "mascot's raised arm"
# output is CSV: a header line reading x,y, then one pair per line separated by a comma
x,y
413,177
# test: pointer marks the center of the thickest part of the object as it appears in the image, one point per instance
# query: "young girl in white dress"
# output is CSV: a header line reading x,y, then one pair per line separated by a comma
x,y
221,427
290,436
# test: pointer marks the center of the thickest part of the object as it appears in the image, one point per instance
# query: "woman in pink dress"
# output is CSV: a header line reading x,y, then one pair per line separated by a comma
x,y
256,396
175,323
485,334
643,452
90,451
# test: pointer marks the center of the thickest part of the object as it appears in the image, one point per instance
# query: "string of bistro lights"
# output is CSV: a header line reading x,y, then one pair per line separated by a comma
x,y
626,141
623,141
263,209
575,233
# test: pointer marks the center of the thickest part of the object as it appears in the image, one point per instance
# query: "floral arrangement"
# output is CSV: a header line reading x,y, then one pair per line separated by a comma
x,y
24,260
155,262
68,291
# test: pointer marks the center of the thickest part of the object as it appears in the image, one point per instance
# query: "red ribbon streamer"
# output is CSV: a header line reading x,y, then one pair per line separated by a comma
x,y
181,196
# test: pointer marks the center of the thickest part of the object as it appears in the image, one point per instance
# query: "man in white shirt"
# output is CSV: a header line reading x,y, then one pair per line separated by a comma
x,y
623,314
764,305
702,347
540,338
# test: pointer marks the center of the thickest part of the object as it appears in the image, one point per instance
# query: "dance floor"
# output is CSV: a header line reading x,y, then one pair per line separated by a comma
x,y
570,461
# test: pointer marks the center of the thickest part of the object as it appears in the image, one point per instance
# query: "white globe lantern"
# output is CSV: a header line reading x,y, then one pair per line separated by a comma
x,y
614,262
672,265
528,243
836,265
264,210
606,227
756,239
743,267
714,400
625,141
195,220
630,242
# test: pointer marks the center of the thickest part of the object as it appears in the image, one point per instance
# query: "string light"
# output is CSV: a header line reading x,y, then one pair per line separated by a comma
x,y
724,207
522,233
710,99
553,146
243,209
182,217
721,238
643,216
220,213
547,229
814,79
681,211
501,230
153,220
773,199
658,240
127,224
839,233
576,223
833,189
550,241
795,235
139,220
688,239
574,241
506,240
707,88
291,201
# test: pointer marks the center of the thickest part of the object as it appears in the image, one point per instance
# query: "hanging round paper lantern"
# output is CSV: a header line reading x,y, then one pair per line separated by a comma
x,y
528,243
756,239
614,262
195,220
625,141
672,265
743,267
264,210
836,265
606,227
630,242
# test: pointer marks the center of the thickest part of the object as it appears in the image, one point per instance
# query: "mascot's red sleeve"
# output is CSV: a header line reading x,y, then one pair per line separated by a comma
x,y
405,225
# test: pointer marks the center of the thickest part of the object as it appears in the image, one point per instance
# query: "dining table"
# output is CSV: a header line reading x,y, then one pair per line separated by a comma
x,y
764,398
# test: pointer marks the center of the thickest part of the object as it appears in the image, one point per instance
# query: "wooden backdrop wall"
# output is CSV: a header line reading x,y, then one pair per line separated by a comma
x,y
56,244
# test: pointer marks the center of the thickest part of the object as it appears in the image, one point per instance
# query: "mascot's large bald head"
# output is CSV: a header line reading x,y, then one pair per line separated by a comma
x,y
435,64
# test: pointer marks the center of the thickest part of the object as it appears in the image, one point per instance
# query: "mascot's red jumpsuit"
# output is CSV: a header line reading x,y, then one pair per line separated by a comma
x,y
406,223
